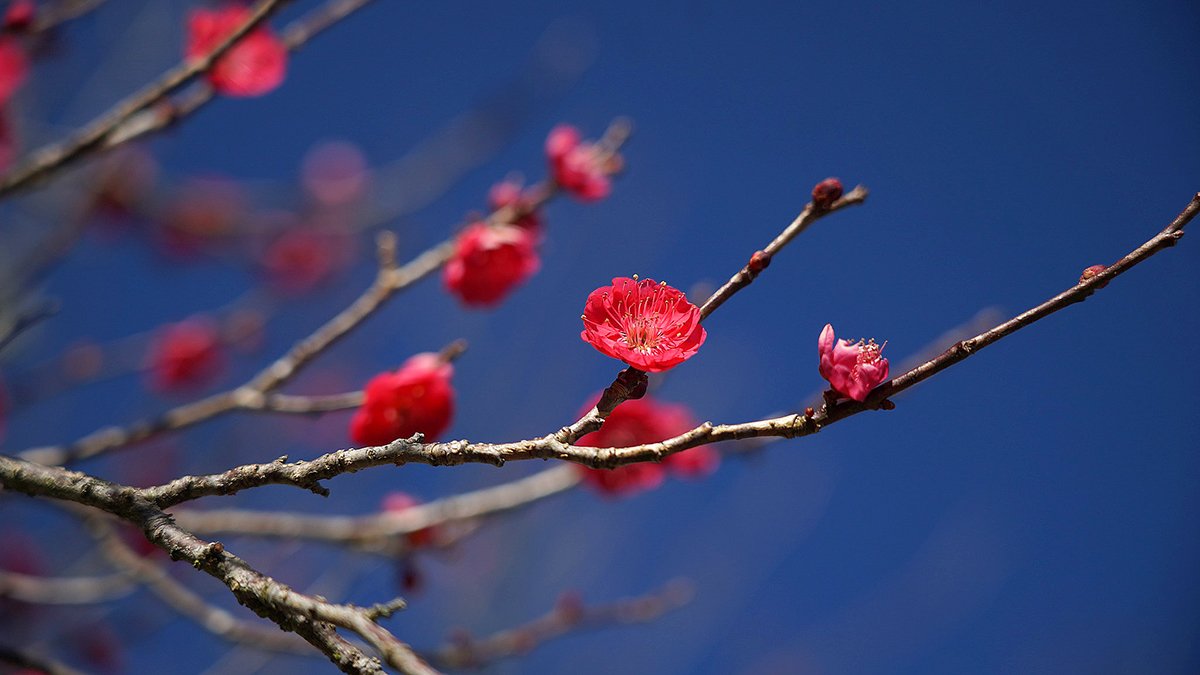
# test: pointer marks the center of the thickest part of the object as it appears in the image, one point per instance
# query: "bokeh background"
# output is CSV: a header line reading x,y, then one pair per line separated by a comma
x,y
1034,509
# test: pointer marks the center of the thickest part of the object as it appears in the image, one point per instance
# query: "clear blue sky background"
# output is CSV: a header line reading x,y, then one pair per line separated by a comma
x,y
1034,509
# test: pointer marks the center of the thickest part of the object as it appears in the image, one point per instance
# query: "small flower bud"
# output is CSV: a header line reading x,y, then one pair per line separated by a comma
x,y
758,262
809,412
826,193
1091,272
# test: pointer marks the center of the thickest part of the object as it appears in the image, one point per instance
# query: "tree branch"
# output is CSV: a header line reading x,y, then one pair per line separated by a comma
x,y
41,163
308,474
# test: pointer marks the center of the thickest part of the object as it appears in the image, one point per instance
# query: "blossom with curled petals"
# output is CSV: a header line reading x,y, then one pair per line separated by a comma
x,y
853,369
648,325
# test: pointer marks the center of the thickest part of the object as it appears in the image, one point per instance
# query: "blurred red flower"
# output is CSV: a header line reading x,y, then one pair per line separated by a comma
x,y
489,261
254,66
185,354
578,167
415,398
637,422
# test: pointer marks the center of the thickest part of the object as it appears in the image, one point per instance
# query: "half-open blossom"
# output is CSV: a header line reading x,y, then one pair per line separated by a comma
x,y
398,502
252,67
415,398
489,261
580,168
13,67
648,325
185,354
853,369
637,422
509,193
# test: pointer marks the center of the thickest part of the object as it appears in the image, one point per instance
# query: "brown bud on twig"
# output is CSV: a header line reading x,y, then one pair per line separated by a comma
x,y
1091,273
826,193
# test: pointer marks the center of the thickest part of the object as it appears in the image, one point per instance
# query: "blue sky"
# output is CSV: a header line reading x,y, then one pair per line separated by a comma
x,y
1031,510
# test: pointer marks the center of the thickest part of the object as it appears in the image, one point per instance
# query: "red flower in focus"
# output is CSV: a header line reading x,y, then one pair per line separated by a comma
x,y
650,326
185,354
416,398
508,193
578,167
398,502
489,261
13,67
252,67
853,370
637,422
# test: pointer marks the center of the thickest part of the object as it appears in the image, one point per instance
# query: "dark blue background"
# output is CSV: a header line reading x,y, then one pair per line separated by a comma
x,y
1032,510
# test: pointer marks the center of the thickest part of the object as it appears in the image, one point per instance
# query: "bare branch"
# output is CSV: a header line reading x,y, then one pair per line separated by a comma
x,y
308,474
569,615
380,527
389,281
270,599
46,160
23,659
42,590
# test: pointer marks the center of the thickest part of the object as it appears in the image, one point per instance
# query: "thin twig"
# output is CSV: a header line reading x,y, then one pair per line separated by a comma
x,y
48,159
389,281
23,659
306,615
381,527
568,616
625,384
82,590
308,474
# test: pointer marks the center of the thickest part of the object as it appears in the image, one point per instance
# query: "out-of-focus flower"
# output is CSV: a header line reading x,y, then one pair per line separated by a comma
x,y
185,354
252,67
398,502
637,422
20,15
489,261
648,325
335,173
299,260
509,193
418,397
853,369
203,210
13,67
578,167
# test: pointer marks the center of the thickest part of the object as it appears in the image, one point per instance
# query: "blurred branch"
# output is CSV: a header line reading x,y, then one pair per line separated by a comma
x,y
311,617
81,590
619,391
54,15
381,527
26,318
49,159
21,658
568,615
308,474
389,280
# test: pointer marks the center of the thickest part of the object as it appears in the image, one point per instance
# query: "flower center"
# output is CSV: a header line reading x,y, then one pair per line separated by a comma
x,y
641,335
868,353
